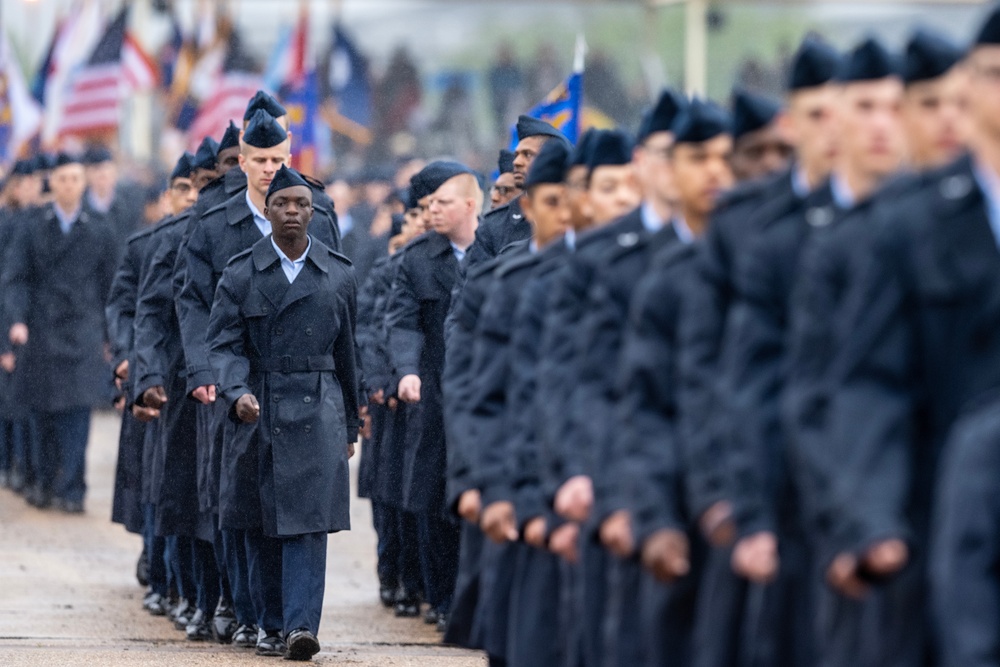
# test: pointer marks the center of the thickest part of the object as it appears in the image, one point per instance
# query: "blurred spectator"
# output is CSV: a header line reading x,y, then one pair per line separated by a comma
x,y
455,122
506,83
397,96
546,73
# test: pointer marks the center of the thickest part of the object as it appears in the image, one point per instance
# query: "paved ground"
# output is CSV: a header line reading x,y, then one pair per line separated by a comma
x,y
68,594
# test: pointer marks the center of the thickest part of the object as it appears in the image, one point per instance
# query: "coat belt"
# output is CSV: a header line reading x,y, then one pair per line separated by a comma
x,y
289,364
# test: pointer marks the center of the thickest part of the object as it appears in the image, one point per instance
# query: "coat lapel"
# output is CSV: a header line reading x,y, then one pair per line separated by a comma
x,y
445,278
272,284
970,250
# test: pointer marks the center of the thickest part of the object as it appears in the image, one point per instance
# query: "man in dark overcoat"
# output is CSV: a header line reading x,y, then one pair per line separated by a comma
x,y
55,286
293,416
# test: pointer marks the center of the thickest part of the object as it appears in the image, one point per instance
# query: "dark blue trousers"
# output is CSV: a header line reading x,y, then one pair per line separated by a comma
x,y
536,633
409,553
155,548
60,457
206,575
287,577
386,522
218,549
234,546
439,539
23,438
180,567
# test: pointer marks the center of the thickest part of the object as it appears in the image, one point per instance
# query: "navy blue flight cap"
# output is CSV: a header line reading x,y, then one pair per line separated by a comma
x,y
263,101
661,117
609,148
206,155
63,159
580,154
868,61
231,138
24,168
96,155
533,127
183,167
752,111
434,175
264,131
701,121
928,56
153,193
549,166
989,34
814,64
286,177
396,227
505,163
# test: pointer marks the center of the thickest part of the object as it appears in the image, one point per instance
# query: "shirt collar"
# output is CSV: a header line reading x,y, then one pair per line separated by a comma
x,y
98,204
989,183
570,239
682,230
650,220
800,183
842,195
258,217
66,219
284,258
459,253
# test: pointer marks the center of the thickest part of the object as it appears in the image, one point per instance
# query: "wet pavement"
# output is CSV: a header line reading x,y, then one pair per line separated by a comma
x,y
68,593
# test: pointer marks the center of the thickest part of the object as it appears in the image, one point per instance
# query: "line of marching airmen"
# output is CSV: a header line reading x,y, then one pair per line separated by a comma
x,y
641,414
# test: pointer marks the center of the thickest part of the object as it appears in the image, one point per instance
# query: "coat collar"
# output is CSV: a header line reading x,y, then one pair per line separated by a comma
x,y
273,283
237,210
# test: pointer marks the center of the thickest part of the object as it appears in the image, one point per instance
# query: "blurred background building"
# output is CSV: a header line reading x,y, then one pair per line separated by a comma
x,y
370,81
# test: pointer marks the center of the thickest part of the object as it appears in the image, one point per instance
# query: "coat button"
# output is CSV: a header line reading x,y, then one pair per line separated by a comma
x,y
279,331
277,431
309,331
276,398
308,429
307,399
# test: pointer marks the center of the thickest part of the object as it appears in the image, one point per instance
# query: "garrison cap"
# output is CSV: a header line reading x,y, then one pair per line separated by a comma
x,y
868,61
549,166
96,155
928,56
183,168
24,167
263,101
702,120
578,158
608,148
661,117
505,163
533,127
396,227
989,34
231,138
153,192
286,177
814,64
264,131
206,155
752,111
433,176
63,159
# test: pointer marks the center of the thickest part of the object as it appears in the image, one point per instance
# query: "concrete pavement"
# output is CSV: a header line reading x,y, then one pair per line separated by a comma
x,y
68,594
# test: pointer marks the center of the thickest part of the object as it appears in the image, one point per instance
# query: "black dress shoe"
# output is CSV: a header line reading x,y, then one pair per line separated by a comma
x,y
182,614
39,498
271,644
224,622
387,594
70,506
156,604
5,479
407,608
198,630
431,616
442,624
302,645
16,482
245,636
142,568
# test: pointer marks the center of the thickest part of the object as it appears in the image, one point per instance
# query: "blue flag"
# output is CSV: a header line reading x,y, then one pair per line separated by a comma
x,y
346,79
562,109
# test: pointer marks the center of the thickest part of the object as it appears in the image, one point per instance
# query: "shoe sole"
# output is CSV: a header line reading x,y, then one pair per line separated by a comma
x,y
302,649
270,653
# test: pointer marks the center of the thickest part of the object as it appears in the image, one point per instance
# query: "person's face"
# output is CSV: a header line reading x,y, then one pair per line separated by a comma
x,y
376,192
936,118
382,221
449,207
261,164
102,178
425,211
414,217
182,195
155,210
342,194
870,126
576,194
613,192
504,189
202,177
524,155
547,207
652,163
290,211
702,173
761,152
229,158
984,72
67,184
27,190
808,124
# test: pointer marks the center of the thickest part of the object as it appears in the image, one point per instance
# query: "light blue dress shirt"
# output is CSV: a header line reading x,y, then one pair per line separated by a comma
x,y
66,220
263,224
989,183
292,268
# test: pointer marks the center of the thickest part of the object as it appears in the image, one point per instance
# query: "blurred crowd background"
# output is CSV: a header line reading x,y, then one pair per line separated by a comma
x,y
374,82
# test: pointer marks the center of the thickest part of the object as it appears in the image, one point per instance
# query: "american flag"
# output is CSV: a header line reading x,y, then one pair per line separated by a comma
x,y
238,81
116,66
